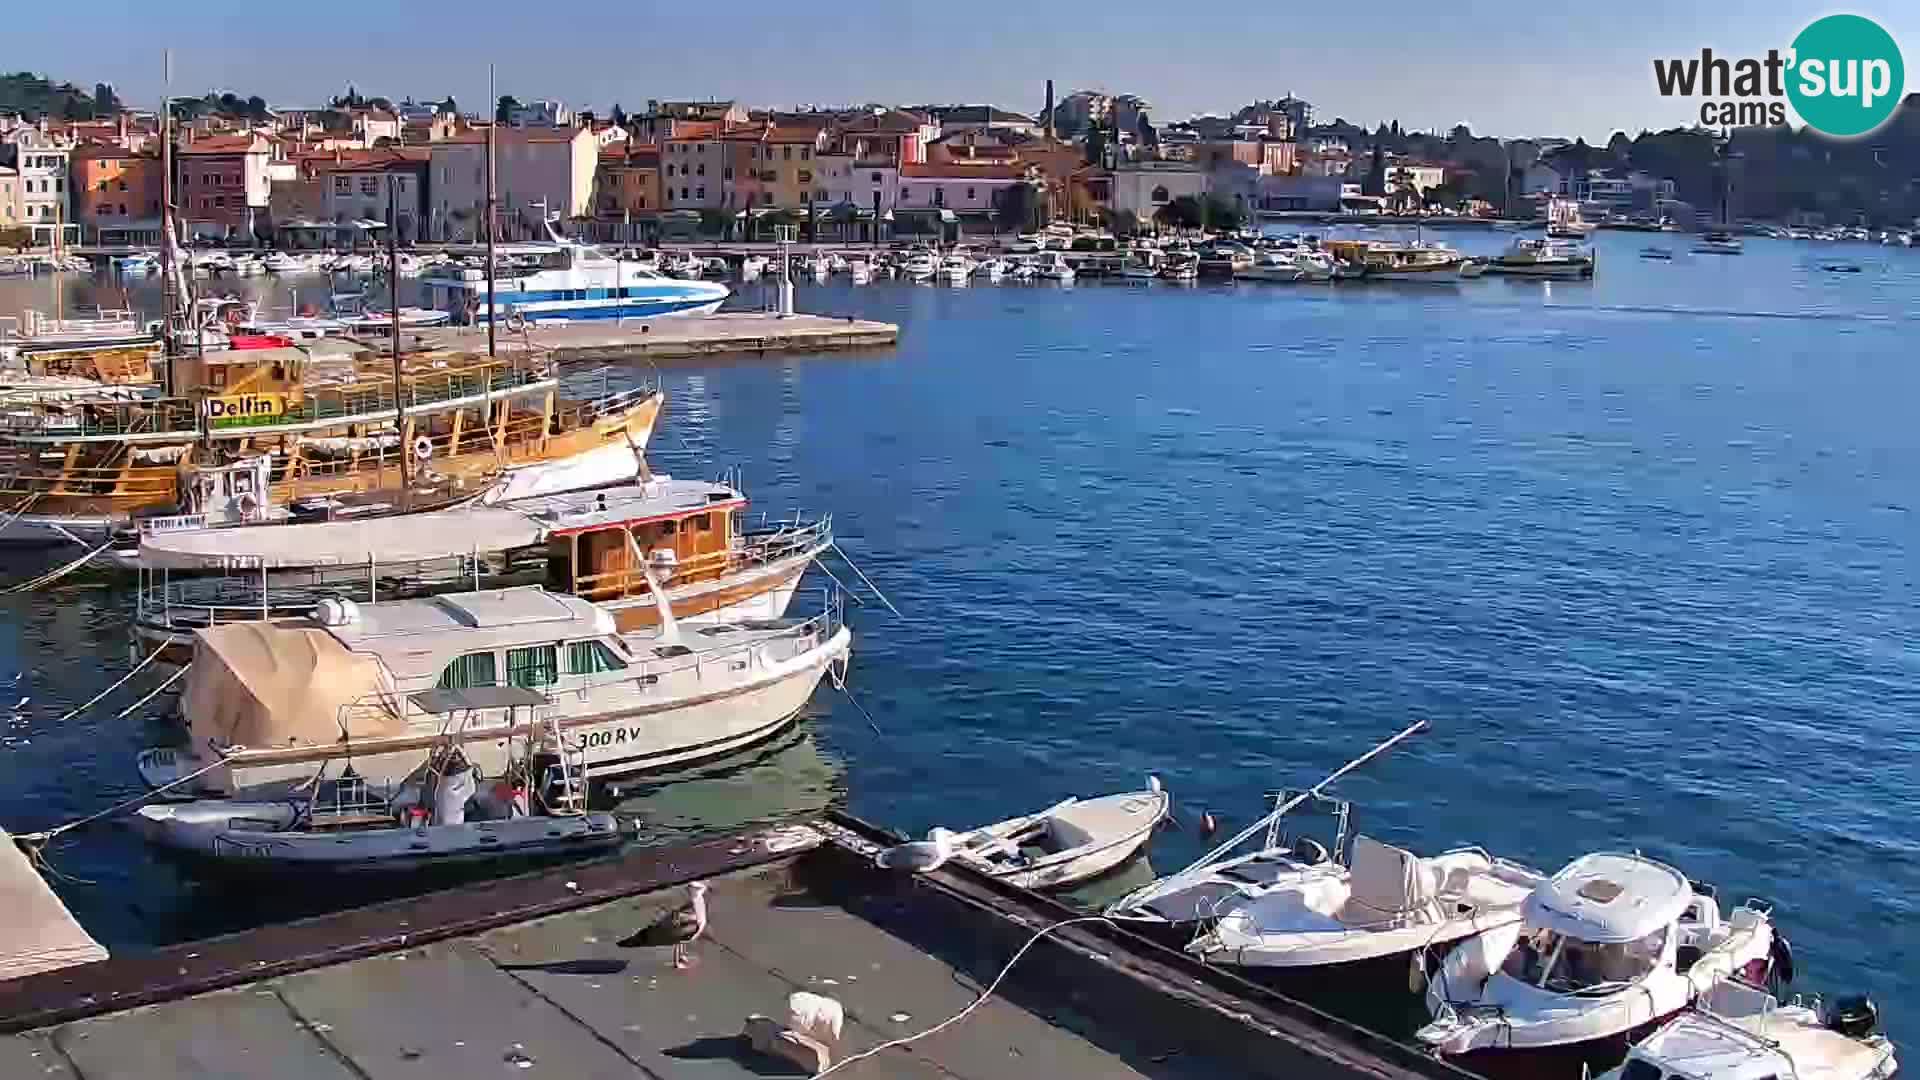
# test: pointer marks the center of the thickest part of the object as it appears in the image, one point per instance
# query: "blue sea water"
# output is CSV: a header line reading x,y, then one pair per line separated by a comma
x,y
1642,550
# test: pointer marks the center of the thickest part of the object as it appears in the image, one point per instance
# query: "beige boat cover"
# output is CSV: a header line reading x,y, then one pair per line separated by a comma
x,y
275,684
400,538
40,933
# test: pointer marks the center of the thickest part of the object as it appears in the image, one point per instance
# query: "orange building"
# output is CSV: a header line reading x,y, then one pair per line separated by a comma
x,y
116,192
627,185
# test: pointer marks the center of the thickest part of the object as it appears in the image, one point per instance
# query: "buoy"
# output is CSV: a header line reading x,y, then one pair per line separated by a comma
x,y
1208,825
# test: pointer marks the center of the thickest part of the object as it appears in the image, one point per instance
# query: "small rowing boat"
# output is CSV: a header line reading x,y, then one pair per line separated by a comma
x,y
1072,841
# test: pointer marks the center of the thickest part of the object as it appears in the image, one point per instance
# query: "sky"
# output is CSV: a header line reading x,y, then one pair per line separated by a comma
x,y
1511,69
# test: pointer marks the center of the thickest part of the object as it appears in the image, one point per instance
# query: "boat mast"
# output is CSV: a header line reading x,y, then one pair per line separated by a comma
x,y
166,214
492,95
393,301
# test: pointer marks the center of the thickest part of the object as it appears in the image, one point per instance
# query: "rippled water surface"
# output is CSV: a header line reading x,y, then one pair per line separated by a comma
x,y
1642,549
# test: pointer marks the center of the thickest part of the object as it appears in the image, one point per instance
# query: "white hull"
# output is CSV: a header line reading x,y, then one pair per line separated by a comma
x,y
1087,838
234,835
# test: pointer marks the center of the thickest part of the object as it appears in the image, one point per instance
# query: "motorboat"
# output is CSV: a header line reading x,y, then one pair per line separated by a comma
x,y
1070,842
1718,243
441,814
268,704
281,262
1840,267
838,264
1662,254
1548,258
752,267
820,268
1143,264
1367,922
859,271
1224,258
716,268
140,262
920,266
956,269
1024,268
351,310
1180,266
1372,260
992,269
1741,1032
1053,266
1607,946
683,265
572,281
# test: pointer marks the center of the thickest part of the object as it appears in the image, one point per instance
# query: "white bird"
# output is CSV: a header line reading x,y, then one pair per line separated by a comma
x,y
816,1016
678,928
919,856
21,704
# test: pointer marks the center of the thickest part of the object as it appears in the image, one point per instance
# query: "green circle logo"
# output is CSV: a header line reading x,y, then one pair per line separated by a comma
x,y
1846,75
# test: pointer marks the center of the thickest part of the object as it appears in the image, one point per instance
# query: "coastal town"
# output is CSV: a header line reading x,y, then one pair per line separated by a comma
x,y
86,169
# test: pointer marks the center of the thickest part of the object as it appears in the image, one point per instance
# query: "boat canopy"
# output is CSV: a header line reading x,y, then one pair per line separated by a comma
x,y
1609,898
400,538
282,683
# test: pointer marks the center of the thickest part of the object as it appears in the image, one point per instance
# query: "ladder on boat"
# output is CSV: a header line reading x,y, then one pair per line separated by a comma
x,y
563,783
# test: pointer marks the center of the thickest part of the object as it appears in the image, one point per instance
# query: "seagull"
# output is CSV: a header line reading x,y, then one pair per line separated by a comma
x,y
920,856
678,928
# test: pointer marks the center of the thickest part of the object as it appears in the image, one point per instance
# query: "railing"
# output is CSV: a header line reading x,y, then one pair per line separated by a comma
x,y
761,549
154,416
193,603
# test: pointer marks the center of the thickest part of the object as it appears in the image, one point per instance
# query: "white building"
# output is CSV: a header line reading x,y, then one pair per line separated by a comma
x,y
41,199
1141,188
962,187
536,171
1416,175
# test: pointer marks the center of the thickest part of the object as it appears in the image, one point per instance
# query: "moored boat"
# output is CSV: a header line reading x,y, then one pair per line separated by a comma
x,y
1741,1032
1073,841
1718,242
1542,258
568,281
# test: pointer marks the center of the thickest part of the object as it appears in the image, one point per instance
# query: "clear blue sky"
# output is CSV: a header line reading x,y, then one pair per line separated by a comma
x,y
1506,68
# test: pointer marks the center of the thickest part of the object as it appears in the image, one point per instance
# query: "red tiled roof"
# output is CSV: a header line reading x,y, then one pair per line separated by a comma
x,y
965,170
694,130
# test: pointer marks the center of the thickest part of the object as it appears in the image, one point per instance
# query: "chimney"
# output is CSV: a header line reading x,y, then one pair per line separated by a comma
x,y
1048,118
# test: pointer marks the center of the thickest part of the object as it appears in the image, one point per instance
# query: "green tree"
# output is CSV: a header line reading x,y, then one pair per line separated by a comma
x,y
1185,212
713,222
1096,142
1375,182
1013,207
1222,213
503,108
257,107
105,101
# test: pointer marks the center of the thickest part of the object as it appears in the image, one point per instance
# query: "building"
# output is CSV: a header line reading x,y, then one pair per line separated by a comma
x,y
892,135
693,164
540,114
1141,188
774,167
357,190
1078,110
955,118
1267,156
664,120
41,200
371,125
116,194
9,198
224,185
538,173
627,189
1418,175
1129,114
967,190
1303,193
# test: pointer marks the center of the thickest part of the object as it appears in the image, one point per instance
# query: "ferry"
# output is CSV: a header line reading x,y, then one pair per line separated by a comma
x,y
564,281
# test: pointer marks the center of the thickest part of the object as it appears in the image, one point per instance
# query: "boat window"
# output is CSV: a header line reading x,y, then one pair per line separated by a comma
x,y
591,657
702,523
471,670
667,528
533,667
1583,964
670,651
1639,1069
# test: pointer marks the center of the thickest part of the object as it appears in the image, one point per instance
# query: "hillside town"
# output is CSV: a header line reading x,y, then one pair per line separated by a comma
x,y
88,169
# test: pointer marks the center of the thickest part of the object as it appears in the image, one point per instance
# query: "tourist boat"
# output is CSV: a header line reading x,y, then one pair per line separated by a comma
x,y
323,411
1070,842
1542,258
692,536
1180,266
111,347
1607,947
571,281
957,269
1371,260
269,704
1741,1032
1369,920
1662,254
1053,266
441,814
1718,243
920,266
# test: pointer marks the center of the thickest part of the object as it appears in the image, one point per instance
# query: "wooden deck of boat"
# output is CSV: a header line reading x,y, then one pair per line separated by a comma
x,y
554,995
677,338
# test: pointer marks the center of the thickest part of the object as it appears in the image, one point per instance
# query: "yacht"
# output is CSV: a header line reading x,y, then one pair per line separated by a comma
x,y
1608,945
957,269
1053,266
1378,261
1547,258
1718,243
143,262
1180,266
859,271
281,262
570,281
269,705
1287,265
1143,263
752,267
992,269
920,266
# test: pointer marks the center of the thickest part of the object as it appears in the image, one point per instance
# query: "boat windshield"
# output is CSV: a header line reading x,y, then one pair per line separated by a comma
x,y
1568,965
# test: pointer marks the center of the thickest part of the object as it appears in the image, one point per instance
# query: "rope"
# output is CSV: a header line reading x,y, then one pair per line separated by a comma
x,y
171,679
977,1002
95,699
42,837
25,505
55,575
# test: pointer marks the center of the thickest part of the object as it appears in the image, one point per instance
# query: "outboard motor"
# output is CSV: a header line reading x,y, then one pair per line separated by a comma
x,y
1854,1016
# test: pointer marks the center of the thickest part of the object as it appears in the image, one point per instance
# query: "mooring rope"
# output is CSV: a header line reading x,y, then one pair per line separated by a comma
x,y
55,575
41,838
138,668
154,693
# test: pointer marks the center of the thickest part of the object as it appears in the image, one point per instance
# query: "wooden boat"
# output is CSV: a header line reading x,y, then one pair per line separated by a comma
x,y
324,413
113,348
441,814
692,536
1072,841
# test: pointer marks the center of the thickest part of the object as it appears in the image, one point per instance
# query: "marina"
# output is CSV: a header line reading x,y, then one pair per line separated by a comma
x,y
1335,451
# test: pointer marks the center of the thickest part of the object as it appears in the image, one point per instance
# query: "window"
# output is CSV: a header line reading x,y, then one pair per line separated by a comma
x,y
876,178
471,670
903,194
591,658
939,196
533,667
1160,194
700,192
683,193
702,523
123,185
669,170
343,185
103,185
806,153
766,198
726,173
806,177
369,185
969,194
219,200
701,169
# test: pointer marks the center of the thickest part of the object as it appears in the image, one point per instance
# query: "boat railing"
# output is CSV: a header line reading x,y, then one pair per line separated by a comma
x,y
419,390
152,416
182,605
142,483
115,322
758,550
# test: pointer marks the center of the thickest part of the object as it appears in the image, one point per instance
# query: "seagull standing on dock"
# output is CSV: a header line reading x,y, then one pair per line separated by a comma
x,y
678,928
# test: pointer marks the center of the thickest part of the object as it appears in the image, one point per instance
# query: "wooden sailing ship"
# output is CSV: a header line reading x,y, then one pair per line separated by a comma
x,y
332,417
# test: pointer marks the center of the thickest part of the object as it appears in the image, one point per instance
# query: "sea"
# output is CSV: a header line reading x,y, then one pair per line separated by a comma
x,y
1640,550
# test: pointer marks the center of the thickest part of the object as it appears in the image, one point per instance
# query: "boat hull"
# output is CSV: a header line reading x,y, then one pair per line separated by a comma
x,y
1541,270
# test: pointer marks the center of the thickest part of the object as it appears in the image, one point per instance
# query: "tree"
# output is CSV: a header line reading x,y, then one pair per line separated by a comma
x,y
105,101
257,107
1096,142
449,107
1185,212
380,103
713,222
1375,182
503,109
1220,213
1013,207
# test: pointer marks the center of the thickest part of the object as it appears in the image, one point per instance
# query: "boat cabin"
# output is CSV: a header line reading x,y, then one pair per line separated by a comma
x,y
1605,918
683,532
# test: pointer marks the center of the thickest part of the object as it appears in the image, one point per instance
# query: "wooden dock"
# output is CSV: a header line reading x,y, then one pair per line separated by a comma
x,y
524,975
676,338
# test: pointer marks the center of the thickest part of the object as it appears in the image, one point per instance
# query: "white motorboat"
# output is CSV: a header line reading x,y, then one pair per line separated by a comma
x,y
956,269
1070,842
838,264
1657,253
752,267
1387,909
821,270
1181,266
143,262
1053,266
683,265
1741,1032
920,266
1273,265
1371,260
1718,243
1143,264
571,281
1607,946
1546,258
993,270
440,815
860,271
715,268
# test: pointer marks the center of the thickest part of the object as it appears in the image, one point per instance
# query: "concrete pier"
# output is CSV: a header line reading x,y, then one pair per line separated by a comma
x,y
524,975
675,338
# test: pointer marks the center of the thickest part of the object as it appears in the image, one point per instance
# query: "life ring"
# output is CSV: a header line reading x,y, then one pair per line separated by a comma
x,y
234,316
247,503
423,449
517,323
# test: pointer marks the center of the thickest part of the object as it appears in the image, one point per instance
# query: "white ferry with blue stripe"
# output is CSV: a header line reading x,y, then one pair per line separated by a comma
x,y
563,280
